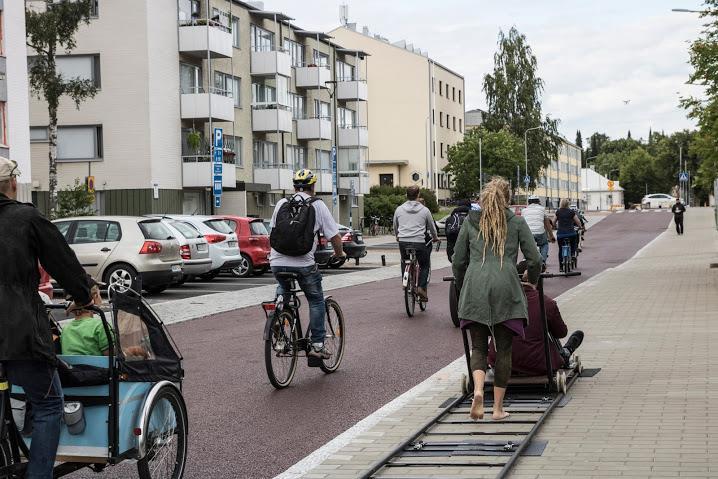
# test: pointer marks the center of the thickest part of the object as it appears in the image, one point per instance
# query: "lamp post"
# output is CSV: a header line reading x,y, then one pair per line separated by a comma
x,y
590,158
686,10
526,150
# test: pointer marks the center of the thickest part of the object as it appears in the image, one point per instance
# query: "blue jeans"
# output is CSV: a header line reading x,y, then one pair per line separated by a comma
x,y
44,393
573,241
310,280
542,243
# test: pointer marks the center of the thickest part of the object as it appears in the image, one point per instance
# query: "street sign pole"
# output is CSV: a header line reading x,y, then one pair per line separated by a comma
x,y
335,196
218,142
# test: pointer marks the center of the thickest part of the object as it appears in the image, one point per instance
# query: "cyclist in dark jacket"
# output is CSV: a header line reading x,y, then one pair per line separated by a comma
x,y
453,225
26,346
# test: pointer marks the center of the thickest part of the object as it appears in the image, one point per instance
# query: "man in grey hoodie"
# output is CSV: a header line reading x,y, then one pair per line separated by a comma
x,y
412,221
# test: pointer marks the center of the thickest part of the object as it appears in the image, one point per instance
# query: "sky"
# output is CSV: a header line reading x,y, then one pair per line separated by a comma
x,y
592,54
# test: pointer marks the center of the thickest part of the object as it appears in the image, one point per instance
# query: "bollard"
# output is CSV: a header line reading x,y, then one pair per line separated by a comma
x,y
383,260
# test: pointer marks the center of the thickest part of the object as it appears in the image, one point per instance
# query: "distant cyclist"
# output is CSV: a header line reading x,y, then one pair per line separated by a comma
x,y
453,223
539,224
678,209
566,219
296,224
412,220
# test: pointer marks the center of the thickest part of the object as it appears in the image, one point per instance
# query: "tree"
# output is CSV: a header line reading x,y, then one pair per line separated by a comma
x,y
579,140
595,143
513,94
51,32
637,175
75,201
628,137
501,153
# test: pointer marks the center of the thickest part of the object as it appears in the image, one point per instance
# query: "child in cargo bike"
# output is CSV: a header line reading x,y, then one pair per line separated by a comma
x,y
527,352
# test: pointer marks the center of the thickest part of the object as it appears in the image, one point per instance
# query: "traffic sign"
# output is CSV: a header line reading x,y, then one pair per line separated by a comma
x,y
527,179
218,201
218,138
90,184
217,157
610,185
335,195
218,169
683,176
217,185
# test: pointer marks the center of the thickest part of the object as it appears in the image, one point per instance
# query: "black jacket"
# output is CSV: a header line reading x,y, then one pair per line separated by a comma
x,y
27,237
459,210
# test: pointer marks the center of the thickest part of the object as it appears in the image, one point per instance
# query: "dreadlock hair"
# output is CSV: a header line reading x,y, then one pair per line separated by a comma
x,y
492,224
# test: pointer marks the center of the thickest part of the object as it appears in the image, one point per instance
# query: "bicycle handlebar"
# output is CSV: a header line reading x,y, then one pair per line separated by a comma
x,y
448,278
560,275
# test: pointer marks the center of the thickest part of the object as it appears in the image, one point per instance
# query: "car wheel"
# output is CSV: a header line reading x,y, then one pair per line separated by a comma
x,y
121,277
209,276
244,269
156,289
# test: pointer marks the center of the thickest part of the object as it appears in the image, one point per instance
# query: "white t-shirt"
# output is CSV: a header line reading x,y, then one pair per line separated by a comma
x,y
534,215
324,222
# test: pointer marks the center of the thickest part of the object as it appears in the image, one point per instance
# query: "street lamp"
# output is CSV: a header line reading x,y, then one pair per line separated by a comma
x,y
686,10
611,171
590,158
526,150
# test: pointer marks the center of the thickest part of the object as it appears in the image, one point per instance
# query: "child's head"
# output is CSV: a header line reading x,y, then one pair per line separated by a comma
x,y
96,300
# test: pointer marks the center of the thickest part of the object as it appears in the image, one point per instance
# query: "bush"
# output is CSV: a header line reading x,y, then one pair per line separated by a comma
x,y
382,201
75,201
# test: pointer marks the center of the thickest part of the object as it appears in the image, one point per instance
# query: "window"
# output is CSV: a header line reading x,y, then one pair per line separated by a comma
x,y
261,40
262,93
84,67
190,78
345,71
2,34
355,201
441,149
447,91
186,230
351,160
103,232
433,117
299,106
3,123
265,154
79,143
297,156
296,51
283,90
440,88
346,118
433,83
227,85
94,9
448,124
441,119
460,126
459,96
433,148
233,149
320,59
261,199
63,227
454,122
39,134
323,159
220,18
272,199
453,93
386,179
235,32
322,109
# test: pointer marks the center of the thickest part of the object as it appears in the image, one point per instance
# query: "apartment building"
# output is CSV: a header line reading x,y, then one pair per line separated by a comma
x,y
562,178
416,113
14,119
283,96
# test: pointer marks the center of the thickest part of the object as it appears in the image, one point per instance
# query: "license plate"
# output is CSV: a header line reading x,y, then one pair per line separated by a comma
x,y
360,238
201,248
232,244
176,268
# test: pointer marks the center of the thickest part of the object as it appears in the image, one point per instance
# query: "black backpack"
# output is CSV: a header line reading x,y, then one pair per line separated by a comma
x,y
293,232
453,223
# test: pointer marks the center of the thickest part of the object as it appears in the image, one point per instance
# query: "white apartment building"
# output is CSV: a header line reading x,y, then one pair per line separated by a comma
x,y
599,193
416,113
14,119
169,72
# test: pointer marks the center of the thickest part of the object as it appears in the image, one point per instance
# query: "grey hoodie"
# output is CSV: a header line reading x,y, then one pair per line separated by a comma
x,y
411,221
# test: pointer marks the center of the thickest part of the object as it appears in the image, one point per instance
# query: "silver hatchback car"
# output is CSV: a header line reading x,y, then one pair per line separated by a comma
x,y
194,249
125,250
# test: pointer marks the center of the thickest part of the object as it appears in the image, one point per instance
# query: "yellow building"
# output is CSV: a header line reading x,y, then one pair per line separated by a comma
x,y
562,178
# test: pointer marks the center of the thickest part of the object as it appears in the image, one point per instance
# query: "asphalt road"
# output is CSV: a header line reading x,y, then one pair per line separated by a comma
x,y
241,427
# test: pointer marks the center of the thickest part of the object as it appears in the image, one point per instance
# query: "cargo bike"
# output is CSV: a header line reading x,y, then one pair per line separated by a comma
x,y
127,405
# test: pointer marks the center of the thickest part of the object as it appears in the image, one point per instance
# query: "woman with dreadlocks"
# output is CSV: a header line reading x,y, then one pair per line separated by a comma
x,y
492,301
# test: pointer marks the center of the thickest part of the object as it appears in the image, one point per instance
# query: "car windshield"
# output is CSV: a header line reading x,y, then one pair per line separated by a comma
x,y
258,228
219,225
155,230
186,230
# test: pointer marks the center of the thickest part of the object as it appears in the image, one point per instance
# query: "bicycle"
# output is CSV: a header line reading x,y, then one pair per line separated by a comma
x,y
285,341
410,281
568,260
374,226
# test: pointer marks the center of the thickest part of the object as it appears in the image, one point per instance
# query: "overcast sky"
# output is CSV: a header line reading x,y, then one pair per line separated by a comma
x,y
592,54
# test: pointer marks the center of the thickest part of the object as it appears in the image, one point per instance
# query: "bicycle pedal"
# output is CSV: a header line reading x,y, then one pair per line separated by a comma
x,y
313,362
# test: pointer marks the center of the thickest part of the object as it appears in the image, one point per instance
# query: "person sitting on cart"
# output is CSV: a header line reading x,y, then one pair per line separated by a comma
x,y
528,357
85,335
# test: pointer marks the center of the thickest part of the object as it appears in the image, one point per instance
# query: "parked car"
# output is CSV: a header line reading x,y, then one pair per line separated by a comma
x,y
194,249
658,200
123,250
223,245
352,244
253,244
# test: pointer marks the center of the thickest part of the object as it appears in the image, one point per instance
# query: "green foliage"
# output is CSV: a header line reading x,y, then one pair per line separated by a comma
x,y
75,201
501,152
194,140
637,174
513,94
383,200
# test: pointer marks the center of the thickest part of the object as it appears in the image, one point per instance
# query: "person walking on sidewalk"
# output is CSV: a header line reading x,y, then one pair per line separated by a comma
x,y
491,299
412,220
678,209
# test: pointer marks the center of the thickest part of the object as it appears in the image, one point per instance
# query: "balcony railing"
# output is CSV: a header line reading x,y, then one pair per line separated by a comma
x,y
314,128
199,36
352,90
270,117
277,175
353,137
198,102
324,180
311,75
269,61
198,171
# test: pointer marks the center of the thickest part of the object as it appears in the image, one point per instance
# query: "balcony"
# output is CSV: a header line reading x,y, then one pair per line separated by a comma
x,y
353,137
196,40
270,63
359,179
278,176
314,129
324,181
312,76
352,90
271,118
198,172
197,103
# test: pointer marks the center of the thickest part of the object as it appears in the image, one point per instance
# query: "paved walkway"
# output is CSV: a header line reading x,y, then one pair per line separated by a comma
x,y
652,410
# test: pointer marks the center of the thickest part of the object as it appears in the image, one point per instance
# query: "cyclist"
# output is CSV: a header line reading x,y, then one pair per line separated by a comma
x,y
412,220
26,345
566,219
292,223
539,224
453,225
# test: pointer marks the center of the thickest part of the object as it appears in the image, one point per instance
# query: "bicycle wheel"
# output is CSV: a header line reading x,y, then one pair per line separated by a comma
x,y
280,350
454,304
409,294
335,339
166,430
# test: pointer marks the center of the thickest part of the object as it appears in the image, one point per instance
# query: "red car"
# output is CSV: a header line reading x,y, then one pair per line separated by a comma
x,y
45,285
253,245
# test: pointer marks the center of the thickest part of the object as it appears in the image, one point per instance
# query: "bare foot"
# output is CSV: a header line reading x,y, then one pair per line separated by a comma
x,y
500,415
477,408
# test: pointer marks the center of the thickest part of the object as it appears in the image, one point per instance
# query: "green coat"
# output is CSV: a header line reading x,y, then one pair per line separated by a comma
x,y
491,294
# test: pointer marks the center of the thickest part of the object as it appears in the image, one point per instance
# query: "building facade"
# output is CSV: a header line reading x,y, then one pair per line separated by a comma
x,y
562,178
14,118
283,97
416,112
599,193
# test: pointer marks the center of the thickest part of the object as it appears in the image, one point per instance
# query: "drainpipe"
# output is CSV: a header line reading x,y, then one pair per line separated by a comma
x,y
209,105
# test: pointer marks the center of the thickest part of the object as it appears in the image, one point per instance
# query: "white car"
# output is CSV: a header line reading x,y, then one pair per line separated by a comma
x,y
659,200
223,243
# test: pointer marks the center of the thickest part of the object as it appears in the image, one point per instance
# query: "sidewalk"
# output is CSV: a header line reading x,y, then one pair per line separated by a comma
x,y
652,411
